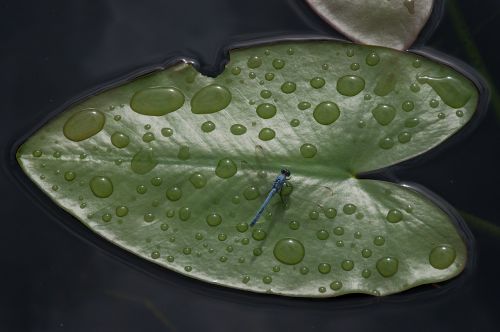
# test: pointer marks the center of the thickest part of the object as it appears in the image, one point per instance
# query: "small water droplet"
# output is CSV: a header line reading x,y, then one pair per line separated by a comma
x,y
37,153
404,137
174,193
349,209
242,227
141,189
148,137
326,113
366,253
121,211
324,268
347,265
184,213
441,257
459,113
167,132
266,94
336,285
294,225
251,193
267,134
314,215
294,123
269,76
372,59
384,114
69,176
226,168
441,115
303,105
394,216
288,87
317,82
254,62
101,186
106,217
414,87
259,234
366,273
308,150
289,251
386,143
379,241
213,219
350,85
355,66
338,230
387,266
266,110
331,213
278,64
120,140
322,234
149,217
198,180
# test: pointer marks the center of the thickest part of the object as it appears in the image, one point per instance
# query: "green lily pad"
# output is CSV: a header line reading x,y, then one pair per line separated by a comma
x,y
172,167
394,24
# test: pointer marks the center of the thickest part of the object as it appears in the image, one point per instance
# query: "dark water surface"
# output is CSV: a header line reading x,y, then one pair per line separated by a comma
x,y
56,275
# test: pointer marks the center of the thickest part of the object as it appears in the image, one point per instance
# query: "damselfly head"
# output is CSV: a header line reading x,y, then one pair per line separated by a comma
x,y
285,172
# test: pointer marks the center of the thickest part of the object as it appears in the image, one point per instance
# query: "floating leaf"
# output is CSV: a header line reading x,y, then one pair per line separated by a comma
x,y
394,24
176,177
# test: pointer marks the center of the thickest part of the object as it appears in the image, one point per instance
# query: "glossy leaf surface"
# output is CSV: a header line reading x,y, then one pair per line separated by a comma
x,y
172,167
394,24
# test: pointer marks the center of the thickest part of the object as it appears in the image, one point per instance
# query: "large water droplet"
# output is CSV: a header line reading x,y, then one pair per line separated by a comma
x,y
350,85
387,266
441,257
210,99
157,101
143,161
289,251
326,113
101,186
455,93
384,114
226,168
83,125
